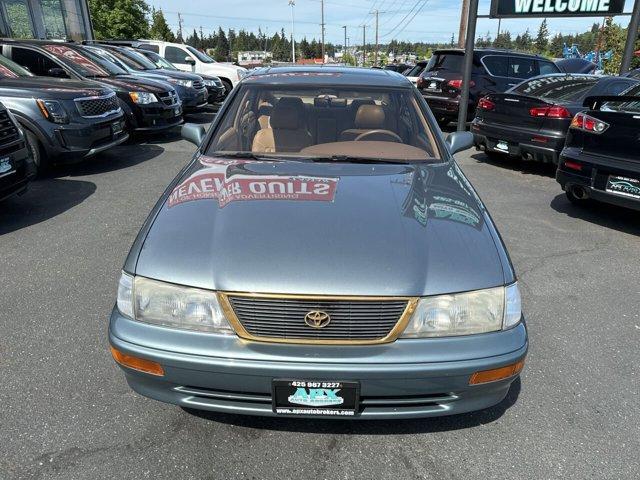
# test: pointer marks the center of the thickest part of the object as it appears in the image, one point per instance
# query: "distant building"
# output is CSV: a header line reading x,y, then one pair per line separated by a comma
x,y
47,19
254,58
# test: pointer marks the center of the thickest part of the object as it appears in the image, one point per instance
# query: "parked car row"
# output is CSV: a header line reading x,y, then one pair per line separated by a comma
x,y
64,102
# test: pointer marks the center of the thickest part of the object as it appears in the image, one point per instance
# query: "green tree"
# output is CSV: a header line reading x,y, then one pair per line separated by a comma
x,y
119,19
542,40
524,42
221,52
503,40
613,39
160,28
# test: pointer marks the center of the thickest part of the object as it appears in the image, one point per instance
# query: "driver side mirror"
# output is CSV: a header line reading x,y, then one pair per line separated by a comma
x,y
193,133
57,72
459,141
189,61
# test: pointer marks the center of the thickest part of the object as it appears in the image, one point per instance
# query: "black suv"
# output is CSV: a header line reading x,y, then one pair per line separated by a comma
x,y
148,105
494,71
16,166
64,120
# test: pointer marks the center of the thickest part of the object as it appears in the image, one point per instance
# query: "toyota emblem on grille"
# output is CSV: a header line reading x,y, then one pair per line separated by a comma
x,y
317,319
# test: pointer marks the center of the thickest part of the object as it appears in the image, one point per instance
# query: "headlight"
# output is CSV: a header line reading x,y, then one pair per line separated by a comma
x,y
173,306
468,313
212,83
143,98
181,82
53,111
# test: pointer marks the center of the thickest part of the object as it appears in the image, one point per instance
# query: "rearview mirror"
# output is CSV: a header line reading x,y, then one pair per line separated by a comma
x,y
57,72
459,141
193,133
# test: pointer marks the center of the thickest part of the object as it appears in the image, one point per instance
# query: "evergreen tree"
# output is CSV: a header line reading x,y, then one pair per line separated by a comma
x,y
613,39
542,40
503,40
221,52
160,28
119,19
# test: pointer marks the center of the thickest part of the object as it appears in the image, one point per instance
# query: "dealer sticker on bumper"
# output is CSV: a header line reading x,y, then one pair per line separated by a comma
x,y
318,398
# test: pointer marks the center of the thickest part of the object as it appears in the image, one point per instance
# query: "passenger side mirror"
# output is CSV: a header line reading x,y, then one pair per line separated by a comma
x,y
189,61
57,72
459,141
193,133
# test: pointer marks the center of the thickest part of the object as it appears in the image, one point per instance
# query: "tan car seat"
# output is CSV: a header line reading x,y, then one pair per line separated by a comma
x,y
288,132
368,117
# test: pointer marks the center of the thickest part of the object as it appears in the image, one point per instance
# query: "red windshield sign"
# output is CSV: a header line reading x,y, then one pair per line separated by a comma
x,y
226,186
75,57
555,8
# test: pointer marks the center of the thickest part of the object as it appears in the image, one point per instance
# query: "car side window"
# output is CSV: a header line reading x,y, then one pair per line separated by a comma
x,y
547,68
616,88
175,54
522,67
148,46
496,65
36,62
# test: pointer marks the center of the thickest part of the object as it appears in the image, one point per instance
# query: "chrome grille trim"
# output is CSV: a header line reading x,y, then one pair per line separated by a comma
x,y
281,319
98,106
8,130
169,98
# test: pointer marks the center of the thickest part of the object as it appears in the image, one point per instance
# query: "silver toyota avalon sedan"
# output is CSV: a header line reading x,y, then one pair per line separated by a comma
x,y
321,255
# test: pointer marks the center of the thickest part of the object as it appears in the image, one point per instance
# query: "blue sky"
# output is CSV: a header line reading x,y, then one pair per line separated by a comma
x,y
437,20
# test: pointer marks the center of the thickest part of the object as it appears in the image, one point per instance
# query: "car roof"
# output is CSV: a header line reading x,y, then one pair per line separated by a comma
x,y
495,51
327,74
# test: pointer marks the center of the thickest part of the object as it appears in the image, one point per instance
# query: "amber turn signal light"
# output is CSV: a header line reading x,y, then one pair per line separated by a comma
x,y
136,363
487,376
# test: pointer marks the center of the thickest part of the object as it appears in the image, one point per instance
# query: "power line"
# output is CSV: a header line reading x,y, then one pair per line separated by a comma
x,y
411,19
401,22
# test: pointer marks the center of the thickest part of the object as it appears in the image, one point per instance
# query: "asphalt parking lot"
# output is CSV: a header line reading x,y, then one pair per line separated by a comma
x,y
66,411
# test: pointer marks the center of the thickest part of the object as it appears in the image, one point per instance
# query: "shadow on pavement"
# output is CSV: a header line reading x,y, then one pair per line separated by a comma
x,y
609,216
517,164
117,158
368,427
45,199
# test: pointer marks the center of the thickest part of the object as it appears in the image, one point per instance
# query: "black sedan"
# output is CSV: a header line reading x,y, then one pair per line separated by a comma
x,y
601,160
532,119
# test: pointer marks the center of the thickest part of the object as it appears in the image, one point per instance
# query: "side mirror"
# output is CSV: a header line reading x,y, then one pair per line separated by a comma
x,y
459,141
57,72
193,133
189,61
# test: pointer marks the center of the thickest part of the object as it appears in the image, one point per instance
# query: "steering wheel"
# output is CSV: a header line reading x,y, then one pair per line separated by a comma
x,y
384,133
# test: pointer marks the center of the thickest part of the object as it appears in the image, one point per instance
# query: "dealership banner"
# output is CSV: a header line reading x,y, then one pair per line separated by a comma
x,y
555,8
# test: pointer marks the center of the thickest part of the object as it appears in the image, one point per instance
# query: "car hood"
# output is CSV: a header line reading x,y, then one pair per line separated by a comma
x,y
175,74
131,83
315,228
50,88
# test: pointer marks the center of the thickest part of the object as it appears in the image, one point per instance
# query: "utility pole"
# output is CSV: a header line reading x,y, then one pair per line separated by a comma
x,y
499,27
375,54
201,34
322,25
463,23
632,36
344,45
292,3
364,45
180,27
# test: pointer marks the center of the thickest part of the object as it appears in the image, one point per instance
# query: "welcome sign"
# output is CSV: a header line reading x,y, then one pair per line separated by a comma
x,y
555,8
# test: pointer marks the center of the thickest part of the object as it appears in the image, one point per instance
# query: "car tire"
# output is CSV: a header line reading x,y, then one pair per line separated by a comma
x,y
38,154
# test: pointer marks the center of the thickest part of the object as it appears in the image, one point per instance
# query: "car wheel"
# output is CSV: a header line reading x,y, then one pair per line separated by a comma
x,y
38,154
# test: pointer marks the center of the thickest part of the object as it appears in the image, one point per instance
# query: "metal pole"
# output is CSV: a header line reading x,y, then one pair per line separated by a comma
x,y
375,64
632,36
293,26
499,26
364,45
468,65
322,25
344,45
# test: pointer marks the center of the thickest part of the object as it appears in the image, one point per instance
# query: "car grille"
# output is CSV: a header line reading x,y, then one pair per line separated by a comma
x,y
197,84
92,107
169,98
352,321
8,130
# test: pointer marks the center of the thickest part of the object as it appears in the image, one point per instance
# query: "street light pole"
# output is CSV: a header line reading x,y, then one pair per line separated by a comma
x,y
292,3
322,25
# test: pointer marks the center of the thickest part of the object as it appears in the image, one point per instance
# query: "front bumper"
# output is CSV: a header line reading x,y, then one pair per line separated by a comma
x,y
404,379
527,143
155,117
215,94
594,176
194,100
16,181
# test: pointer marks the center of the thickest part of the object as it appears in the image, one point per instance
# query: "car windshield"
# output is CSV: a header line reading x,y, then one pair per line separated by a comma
x,y
450,62
134,59
110,57
84,62
159,62
201,56
560,88
340,123
10,69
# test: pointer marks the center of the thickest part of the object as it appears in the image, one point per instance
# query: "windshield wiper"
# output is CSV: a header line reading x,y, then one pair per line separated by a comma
x,y
247,155
348,159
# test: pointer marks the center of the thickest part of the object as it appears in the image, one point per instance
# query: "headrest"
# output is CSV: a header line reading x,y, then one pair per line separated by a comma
x,y
288,114
265,109
370,116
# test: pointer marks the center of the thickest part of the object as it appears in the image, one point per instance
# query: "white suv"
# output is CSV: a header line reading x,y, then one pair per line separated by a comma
x,y
189,59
